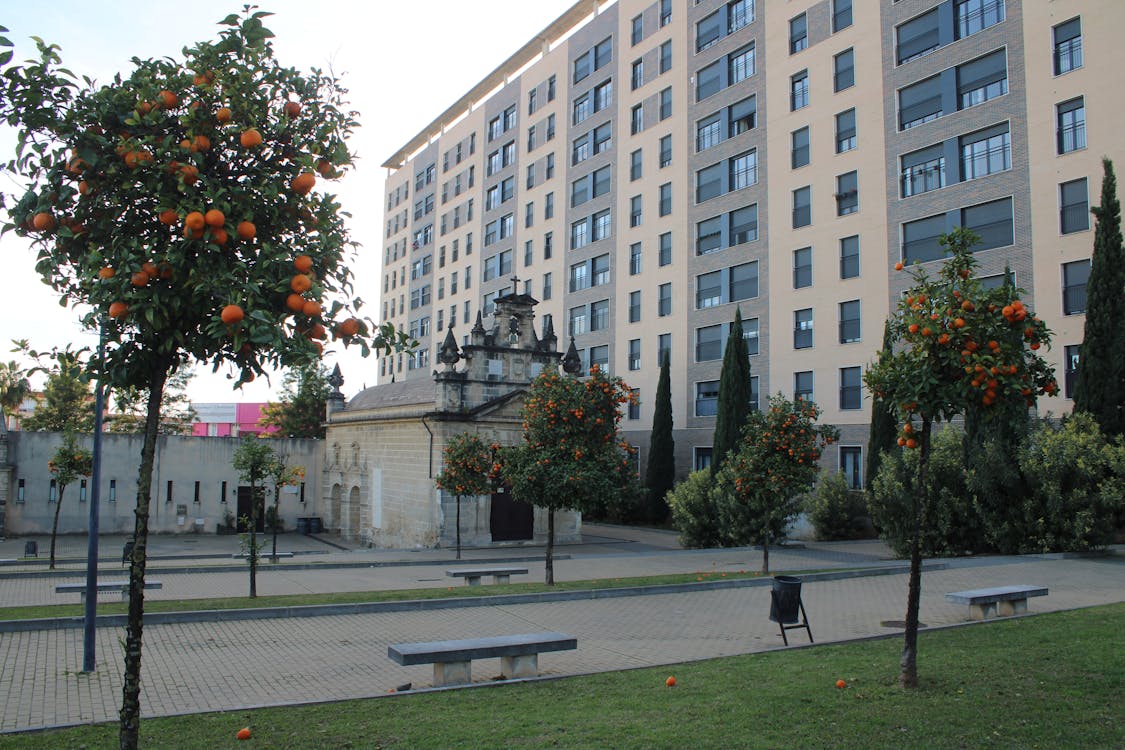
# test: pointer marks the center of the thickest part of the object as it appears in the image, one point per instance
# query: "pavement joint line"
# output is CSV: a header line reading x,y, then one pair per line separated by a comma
x,y
423,605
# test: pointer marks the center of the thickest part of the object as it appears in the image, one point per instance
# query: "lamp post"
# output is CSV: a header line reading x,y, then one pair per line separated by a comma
x,y
91,614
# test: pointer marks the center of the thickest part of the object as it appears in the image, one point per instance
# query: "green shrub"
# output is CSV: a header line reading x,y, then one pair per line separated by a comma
x,y
834,509
693,511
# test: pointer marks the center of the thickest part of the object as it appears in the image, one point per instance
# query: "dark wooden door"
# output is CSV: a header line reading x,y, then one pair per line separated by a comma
x,y
244,510
511,520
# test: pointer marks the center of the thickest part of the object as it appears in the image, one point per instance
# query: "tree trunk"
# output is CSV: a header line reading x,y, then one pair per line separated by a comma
x,y
550,559
458,527
765,555
909,664
55,525
253,551
130,714
276,519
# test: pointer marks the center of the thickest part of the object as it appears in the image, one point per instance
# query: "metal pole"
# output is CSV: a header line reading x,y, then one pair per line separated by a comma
x,y
90,622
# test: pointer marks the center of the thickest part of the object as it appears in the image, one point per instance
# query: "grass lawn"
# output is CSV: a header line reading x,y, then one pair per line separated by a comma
x,y
394,595
1047,681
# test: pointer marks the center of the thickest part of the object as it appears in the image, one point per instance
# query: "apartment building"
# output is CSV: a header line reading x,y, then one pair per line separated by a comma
x,y
644,167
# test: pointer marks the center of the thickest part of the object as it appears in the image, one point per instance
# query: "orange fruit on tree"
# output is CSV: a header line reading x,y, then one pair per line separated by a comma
x,y
139,279
303,183
349,327
911,443
167,99
106,273
200,143
246,230
219,236
193,234
118,309
189,172
317,331
303,263
83,188
195,221
44,221
324,167
300,283
75,166
250,138
295,302
144,108
232,314
292,109
169,216
913,328
149,267
311,308
223,114
214,218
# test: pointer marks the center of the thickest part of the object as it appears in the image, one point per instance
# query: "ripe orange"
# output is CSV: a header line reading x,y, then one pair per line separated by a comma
x,y
232,314
169,216
324,167
83,188
311,308
190,173
167,99
841,684
106,273
959,323
295,302
244,733
200,143
317,332
214,218
349,327
118,310
250,138
899,266
246,230
303,263
303,183
144,108
44,221
223,114
75,165
139,279
292,109
911,443
671,681
219,236
193,234
134,159
913,328
195,221
150,268
300,283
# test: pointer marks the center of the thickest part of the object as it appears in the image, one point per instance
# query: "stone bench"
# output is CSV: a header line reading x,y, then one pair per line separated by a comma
x,y
519,655
122,586
1002,601
261,555
473,575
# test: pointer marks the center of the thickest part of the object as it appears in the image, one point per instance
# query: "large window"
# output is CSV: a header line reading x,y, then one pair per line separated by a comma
x,y
708,31
799,150
740,64
802,207
847,194
634,306
744,284
577,320
579,277
851,388
709,290
977,15
845,131
665,258
599,315
634,354
920,239
841,15
744,224
849,257
1074,206
799,90
1071,125
923,171
634,259
709,235
982,79
1075,275
744,170
803,328
798,33
985,152
919,103
707,398
1068,46
851,465
665,206
802,268
803,385
708,81
843,70
664,300
850,322
917,36
709,343
992,221
709,182
708,132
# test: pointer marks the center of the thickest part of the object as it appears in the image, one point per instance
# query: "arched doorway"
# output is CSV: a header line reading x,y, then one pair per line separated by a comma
x,y
353,513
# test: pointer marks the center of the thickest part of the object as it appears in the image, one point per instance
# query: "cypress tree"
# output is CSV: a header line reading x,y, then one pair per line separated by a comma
x,y
884,427
1100,387
734,395
660,473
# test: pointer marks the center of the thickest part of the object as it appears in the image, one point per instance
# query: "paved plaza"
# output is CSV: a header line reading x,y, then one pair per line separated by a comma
x,y
225,665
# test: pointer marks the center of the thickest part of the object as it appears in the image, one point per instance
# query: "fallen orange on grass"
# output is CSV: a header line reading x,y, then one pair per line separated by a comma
x,y
841,684
671,681
243,734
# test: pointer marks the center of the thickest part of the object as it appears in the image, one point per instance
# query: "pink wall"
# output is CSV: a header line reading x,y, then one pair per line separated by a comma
x,y
246,418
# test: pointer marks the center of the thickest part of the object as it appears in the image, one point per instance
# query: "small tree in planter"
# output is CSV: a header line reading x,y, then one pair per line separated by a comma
x,y
256,461
468,471
282,476
68,463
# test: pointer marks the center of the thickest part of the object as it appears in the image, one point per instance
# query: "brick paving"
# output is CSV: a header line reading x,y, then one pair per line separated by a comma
x,y
192,667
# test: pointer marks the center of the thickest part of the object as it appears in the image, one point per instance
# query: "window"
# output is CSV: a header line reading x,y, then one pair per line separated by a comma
x,y
1068,46
741,116
579,277
708,182
802,268
851,391
701,458
986,152
637,119
549,167
551,88
665,12
744,285
849,257
982,79
1071,125
531,138
849,322
843,70
637,78
546,287
709,343
634,259
548,212
1070,366
637,30
530,176
666,103
708,81
634,354
847,194
665,57
740,64
603,95
665,199
1074,206
1075,275
635,214
708,133
708,31
599,315
798,34
799,90
581,67
708,235
841,15
803,328
531,101
920,239
923,171
635,165
635,306
799,152
603,225
664,300
918,36
744,224
581,109
992,221
851,466
550,135
802,207
665,249
599,270
577,320
579,234
707,398
845,131
977,15
709,290
602,137
663,348
529,215
665,151
803,386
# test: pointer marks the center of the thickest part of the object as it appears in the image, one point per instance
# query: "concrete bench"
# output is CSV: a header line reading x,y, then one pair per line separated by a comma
x,y
1002,601
519,655
473,575
261,555
122,586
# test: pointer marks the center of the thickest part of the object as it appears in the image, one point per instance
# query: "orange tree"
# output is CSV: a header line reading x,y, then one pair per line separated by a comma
x,y
178,204
68,464
466,471
759,487
959,349
571,455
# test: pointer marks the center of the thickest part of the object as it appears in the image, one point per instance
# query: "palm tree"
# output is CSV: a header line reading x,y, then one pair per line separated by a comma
x,y
14,388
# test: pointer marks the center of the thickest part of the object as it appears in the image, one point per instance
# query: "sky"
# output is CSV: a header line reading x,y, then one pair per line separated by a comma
x,y
447,45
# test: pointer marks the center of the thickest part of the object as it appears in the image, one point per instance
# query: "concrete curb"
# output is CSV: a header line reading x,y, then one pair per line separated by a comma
x,y
422,605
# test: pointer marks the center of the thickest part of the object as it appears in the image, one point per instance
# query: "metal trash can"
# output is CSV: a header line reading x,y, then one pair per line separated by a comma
x,y
316,526
127,552
302,525
31,548
785,604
